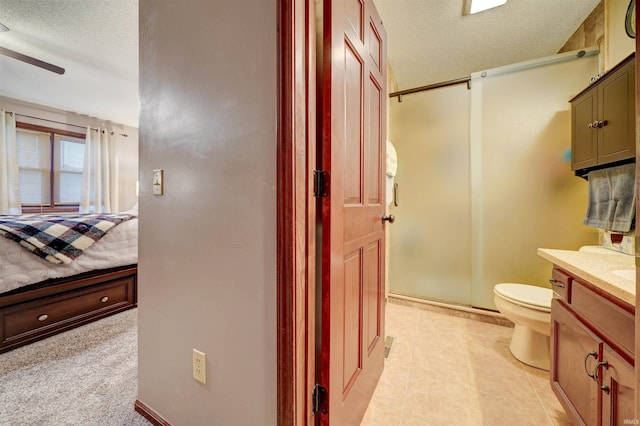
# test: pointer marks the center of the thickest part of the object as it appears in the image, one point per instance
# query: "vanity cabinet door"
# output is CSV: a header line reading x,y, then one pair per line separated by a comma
x,y
575,352
618,383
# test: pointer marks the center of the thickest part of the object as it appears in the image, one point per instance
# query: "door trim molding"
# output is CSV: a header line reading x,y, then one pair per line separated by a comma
x,y
295,211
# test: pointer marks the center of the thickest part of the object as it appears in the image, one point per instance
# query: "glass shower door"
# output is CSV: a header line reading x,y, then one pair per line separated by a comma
x,y
430,242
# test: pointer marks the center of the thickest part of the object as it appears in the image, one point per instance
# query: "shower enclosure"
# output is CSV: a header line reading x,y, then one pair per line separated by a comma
x,y
484,180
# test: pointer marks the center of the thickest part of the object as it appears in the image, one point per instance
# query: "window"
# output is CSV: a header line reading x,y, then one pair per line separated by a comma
x,y
50,165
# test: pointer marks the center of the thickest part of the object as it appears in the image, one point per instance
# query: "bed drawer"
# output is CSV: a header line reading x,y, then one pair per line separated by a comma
x,y
26,321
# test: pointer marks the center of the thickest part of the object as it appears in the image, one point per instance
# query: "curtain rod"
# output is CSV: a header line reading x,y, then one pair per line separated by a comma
x,y
400,93
60,122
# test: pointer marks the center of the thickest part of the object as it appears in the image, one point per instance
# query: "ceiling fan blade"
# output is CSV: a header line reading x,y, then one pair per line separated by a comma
x,y
33,61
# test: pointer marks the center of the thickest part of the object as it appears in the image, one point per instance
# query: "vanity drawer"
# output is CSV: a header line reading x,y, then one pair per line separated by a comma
x,y
561,284
609,317
26,320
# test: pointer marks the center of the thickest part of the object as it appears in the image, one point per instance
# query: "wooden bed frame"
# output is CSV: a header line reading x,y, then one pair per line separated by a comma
x,y
41,310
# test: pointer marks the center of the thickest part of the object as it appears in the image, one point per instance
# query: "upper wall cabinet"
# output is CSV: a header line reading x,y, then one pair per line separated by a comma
x,y
603,119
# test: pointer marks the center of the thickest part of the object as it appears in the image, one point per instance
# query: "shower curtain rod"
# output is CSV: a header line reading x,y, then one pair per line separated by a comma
x,y
400,93
66,124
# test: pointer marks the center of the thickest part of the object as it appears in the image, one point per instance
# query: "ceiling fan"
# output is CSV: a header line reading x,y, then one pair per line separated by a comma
x,y
28,59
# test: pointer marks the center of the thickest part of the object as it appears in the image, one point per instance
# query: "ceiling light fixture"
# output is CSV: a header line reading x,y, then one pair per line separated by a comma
x,y
476,6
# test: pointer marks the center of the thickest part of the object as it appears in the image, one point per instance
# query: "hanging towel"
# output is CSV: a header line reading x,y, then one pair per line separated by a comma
x,y
611,198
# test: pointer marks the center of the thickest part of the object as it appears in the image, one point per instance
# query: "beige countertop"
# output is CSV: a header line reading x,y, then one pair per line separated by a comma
x,y
596,268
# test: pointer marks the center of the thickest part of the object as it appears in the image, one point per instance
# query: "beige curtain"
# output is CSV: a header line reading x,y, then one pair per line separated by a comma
x,y
9,174
99,192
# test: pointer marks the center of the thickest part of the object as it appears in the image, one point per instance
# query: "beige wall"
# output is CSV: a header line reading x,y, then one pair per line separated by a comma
x,y
128,162
619,45
590,34
207,265
604,28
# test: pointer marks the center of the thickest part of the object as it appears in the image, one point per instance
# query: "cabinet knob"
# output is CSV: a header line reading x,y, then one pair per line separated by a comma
x,y
43,317
597,124
104,299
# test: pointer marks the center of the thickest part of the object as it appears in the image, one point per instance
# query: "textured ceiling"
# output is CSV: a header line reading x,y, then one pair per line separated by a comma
x,y
430,41
96,41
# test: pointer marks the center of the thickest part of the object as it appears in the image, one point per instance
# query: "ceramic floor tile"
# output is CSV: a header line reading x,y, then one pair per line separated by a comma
x,y
490,351
401,350
400,320
392,386
500,411
445,370
508,383
381,414
561,419
540,381
484,328
436,418
444,349
432,320
430,398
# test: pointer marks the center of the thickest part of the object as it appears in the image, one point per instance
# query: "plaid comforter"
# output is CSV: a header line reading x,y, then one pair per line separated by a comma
x,y
58,238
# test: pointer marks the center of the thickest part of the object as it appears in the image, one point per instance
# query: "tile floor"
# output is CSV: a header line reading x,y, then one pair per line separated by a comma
x,y
451,370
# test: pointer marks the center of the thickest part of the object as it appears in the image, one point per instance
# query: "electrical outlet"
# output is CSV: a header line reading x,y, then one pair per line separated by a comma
x,y
199,366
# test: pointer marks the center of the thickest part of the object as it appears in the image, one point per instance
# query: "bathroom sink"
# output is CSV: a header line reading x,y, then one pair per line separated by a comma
x,y
627,274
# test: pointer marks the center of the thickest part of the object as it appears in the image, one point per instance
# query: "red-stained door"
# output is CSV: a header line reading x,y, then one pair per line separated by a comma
x,y
353,143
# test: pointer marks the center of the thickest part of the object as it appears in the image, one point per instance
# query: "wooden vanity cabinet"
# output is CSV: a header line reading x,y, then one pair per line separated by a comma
x,y
571,344
619,379
603,119
592,370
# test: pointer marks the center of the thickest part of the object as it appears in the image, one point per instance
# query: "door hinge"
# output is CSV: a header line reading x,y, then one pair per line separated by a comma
x,y
319,399
320,183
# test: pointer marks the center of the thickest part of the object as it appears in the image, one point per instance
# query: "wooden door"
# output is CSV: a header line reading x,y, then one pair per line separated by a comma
x,y
353,143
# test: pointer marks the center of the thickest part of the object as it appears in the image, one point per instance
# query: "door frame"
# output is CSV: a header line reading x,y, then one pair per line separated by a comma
x,y
296,211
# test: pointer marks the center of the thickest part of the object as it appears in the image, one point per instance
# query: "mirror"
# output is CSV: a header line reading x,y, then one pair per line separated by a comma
x,y
630,20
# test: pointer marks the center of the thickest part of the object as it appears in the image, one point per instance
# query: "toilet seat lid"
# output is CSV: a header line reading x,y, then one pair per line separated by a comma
x,y
525,294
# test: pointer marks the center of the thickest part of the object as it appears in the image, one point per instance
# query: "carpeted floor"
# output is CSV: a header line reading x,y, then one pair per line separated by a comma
x,y
86,376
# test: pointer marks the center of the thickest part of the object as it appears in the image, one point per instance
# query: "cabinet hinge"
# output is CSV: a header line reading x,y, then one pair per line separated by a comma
x,y
319,399
320,183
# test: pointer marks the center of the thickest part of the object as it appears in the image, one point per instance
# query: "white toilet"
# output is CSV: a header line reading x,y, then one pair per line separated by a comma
x,y
529,307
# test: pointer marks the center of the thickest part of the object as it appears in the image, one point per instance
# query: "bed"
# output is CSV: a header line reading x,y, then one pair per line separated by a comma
x,y
39,298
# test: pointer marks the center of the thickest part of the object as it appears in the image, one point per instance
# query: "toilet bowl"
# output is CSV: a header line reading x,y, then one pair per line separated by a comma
x,y
529,308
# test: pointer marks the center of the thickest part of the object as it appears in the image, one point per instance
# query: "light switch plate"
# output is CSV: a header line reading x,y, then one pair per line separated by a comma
x,y
158,182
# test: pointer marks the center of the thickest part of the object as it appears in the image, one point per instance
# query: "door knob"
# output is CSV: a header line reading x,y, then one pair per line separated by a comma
x,y
388,218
